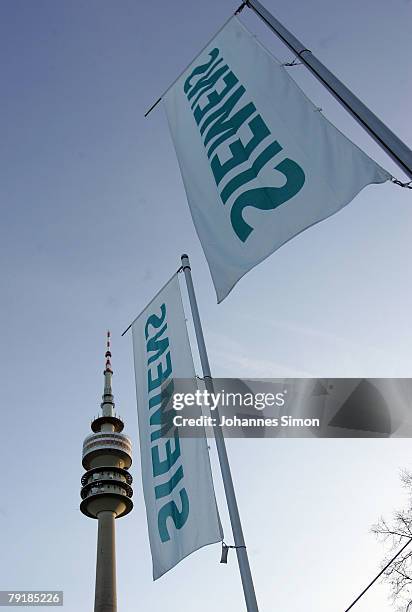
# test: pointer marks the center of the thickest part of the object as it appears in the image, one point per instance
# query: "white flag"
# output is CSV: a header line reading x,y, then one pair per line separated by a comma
x,y
178,489
259,161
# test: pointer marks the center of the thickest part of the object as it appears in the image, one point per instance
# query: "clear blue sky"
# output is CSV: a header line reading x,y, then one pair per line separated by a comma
x,y
94,219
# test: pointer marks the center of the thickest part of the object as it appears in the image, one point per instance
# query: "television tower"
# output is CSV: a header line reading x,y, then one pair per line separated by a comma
x,y
106,488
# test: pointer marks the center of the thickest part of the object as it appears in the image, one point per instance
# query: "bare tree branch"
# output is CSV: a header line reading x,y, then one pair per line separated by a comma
x,y
391,533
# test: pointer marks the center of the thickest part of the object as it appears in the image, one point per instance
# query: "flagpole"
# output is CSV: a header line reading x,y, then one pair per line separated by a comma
x,y
390,143
241,551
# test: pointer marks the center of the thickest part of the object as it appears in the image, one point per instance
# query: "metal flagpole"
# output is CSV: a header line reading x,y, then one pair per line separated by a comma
x,y
242,556
389,142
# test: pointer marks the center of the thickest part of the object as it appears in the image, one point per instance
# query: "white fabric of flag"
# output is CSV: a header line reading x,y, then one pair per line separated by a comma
x,y
260,163
181,507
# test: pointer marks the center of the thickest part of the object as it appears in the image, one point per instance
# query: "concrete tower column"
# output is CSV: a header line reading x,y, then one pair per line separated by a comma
x,y
105,594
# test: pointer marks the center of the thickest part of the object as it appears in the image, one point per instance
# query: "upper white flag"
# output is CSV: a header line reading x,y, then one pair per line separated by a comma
x,y
260,163
178,489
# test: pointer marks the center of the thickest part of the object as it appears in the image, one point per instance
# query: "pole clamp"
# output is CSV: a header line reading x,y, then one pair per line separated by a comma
x,y
407,185
303,51
225,551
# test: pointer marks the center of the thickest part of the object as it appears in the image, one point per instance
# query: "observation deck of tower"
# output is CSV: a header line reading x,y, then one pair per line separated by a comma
x,y
106,487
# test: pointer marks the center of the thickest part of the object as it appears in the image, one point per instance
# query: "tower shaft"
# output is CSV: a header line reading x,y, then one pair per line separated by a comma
x,y
105,593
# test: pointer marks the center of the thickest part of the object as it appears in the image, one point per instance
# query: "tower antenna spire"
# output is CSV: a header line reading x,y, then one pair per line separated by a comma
x,y
108,400
108,373
108,354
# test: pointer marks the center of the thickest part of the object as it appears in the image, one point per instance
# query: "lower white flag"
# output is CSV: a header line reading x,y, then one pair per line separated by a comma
x,y
260,163
181,508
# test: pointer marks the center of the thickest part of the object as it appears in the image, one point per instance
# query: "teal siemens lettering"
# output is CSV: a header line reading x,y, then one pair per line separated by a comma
x,y
166,455
213,91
